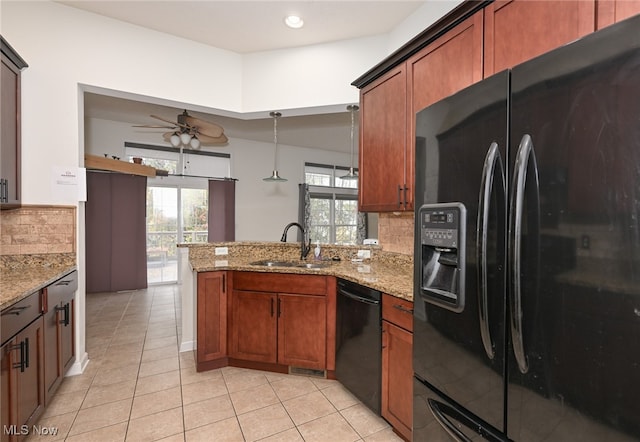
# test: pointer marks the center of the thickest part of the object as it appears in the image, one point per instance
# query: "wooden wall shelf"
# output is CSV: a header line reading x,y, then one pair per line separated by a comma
x,y
103,163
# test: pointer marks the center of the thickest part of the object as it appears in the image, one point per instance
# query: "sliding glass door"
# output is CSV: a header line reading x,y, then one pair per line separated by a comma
x,y
175,214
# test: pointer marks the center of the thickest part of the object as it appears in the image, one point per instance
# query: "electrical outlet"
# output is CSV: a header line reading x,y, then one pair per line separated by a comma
x,y
222,250
364,254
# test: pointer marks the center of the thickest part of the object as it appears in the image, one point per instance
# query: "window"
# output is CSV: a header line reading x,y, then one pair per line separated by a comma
x,y
333,204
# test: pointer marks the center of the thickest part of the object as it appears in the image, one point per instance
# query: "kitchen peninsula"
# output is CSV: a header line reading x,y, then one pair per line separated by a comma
x,y
257,305
391,273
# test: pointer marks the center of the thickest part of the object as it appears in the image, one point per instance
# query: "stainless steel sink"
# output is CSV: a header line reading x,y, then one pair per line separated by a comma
x,y
305,265
312,265
270,263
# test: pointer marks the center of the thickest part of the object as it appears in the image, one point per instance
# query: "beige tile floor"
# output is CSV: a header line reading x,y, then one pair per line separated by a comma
x,y
137,387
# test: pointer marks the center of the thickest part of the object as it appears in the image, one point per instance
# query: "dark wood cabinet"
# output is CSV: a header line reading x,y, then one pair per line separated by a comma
x,y
30,391
254,326
22,368
59,331
609,12
449,64
7,390
385,160
388,107
519,30
397,367
279,319
211,351
302,331
12,64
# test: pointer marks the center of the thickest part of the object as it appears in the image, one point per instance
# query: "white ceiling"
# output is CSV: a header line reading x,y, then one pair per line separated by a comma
x,y
244,27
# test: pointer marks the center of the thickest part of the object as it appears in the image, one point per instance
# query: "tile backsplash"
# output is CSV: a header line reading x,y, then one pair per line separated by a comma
x,y
395,232
38,230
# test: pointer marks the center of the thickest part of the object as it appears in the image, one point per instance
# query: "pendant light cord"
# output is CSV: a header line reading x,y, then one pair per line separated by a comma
x,y
275,139
353,112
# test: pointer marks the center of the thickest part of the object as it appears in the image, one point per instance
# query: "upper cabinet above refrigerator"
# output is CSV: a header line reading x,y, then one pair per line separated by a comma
x,y
517,31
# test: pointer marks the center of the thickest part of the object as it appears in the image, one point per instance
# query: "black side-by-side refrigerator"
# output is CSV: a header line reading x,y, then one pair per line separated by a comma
x,y
527,250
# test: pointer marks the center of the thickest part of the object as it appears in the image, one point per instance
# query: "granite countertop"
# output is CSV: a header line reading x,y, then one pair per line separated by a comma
x,y
388,272
22,275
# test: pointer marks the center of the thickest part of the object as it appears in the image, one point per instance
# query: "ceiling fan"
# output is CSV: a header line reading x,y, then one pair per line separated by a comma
x,y
190,131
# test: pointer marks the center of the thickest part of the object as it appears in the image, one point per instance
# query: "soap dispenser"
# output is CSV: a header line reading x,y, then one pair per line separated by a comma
x,y
317,253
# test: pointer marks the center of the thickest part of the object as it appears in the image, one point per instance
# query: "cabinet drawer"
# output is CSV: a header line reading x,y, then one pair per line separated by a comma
x,y
397,311
19,315
280,283
62,290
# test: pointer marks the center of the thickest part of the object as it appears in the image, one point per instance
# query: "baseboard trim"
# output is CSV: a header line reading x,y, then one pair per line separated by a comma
x,y
78,366
187,346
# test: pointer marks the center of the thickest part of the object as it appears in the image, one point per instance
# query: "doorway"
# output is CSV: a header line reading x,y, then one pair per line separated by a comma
x,y
175,214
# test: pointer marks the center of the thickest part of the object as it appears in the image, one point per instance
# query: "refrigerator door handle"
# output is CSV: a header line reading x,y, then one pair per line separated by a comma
x,y
492,165
439,410
524,155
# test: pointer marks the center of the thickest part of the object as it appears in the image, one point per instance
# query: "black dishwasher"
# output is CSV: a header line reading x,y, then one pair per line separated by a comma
x,y
359,342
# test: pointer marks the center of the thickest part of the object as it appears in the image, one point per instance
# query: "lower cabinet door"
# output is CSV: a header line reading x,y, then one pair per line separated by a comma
x,y
212,316
253,335
52,369
23,379
302,331
397,378
7,391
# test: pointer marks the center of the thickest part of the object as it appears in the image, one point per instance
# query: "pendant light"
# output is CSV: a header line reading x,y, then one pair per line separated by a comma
x,y
275,176
352,175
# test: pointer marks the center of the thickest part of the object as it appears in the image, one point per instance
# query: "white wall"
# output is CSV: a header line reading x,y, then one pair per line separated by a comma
x,y
264,208
425,16
318,75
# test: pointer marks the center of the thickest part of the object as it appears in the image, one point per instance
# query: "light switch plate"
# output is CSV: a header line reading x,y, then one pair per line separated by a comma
x,y
364,254
222,251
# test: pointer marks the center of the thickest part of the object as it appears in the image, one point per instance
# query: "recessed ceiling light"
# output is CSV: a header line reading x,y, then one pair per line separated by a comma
x,y
294,21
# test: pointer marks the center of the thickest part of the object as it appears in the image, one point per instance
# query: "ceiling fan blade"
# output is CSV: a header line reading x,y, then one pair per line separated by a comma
x,y
204,127
154,126
164,119
213,141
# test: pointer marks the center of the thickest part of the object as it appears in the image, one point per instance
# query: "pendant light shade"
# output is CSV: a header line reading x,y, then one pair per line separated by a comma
x,y
275,176
352,175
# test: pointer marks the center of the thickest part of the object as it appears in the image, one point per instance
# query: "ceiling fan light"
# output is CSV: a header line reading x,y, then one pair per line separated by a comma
x,y
185,138
195,143
175,140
